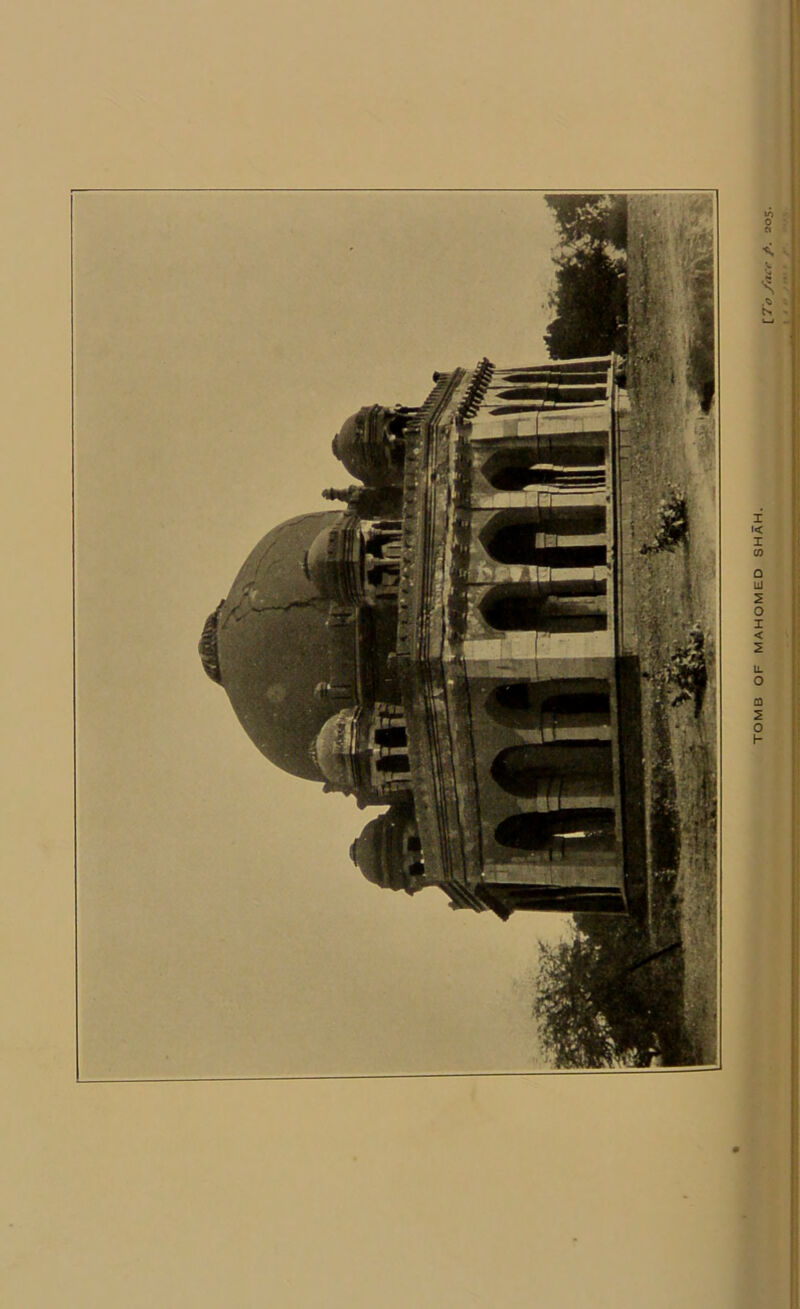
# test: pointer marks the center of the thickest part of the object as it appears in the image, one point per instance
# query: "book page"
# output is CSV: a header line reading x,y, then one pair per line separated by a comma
x,y
240,1071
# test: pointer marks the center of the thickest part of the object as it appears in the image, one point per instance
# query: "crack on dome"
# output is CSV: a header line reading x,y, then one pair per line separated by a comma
x,y
248,606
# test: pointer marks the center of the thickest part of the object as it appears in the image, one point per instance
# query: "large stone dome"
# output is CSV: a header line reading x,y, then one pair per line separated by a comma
x,y
271,646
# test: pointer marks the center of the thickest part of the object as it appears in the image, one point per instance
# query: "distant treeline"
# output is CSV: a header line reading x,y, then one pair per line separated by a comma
x,y
590,294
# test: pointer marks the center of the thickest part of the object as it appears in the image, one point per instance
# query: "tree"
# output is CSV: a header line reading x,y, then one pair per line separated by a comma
x,y
606,992
601,217
573,1029
590,286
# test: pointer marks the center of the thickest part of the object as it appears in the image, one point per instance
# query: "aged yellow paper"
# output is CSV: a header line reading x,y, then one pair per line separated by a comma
x,y
587,1190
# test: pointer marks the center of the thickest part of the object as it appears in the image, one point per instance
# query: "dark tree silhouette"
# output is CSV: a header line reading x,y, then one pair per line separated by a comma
x,y
590,292
606,993
573,1031
600,217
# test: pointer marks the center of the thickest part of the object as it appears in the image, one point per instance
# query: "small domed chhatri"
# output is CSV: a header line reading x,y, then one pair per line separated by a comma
x,y
335,561
364,752
340,752
371,444
453,644
389,852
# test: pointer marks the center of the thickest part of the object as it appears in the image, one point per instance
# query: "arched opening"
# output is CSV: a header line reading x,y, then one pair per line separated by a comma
x,y
531,372
383,540
578,703
396,422
381,559
560,370
522,608
521,542
518,477
579,829
573,773
577,715
534,390
579,516
574,392
393,763
392,737
578,467
517,702
581,708
514,477
567,899
382,579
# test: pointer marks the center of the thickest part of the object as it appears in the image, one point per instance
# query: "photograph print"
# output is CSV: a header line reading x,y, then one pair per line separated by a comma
x,y
396,552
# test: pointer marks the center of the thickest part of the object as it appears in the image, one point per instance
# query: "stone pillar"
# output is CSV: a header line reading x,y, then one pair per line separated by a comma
x,y
382,548
581,791
551,537
553,582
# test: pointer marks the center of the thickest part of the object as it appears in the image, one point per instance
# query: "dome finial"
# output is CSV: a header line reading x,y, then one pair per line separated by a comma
x,y
207,646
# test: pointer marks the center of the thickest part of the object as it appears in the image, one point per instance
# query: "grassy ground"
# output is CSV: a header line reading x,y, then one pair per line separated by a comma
x,y
670,380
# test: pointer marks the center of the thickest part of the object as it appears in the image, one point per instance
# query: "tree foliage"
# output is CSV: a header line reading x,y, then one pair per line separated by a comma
x,y
598,217
589,296
603,996
574,1032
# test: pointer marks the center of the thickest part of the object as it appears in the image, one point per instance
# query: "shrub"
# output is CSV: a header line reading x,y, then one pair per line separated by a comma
x,y
673,523
686,670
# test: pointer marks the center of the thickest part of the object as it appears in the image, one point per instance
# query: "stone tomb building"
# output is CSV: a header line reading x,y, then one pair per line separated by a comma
x,y
456,641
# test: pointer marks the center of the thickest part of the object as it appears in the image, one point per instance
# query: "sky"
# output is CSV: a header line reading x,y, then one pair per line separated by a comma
x,y
220,338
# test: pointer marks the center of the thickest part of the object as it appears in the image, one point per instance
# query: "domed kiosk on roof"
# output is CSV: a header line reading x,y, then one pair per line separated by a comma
x,y
371,444
341,751
456,643
364,752
335,561
388,852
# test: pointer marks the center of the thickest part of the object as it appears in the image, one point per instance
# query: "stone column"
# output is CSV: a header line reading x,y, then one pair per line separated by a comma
x,y
564,793
552,582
